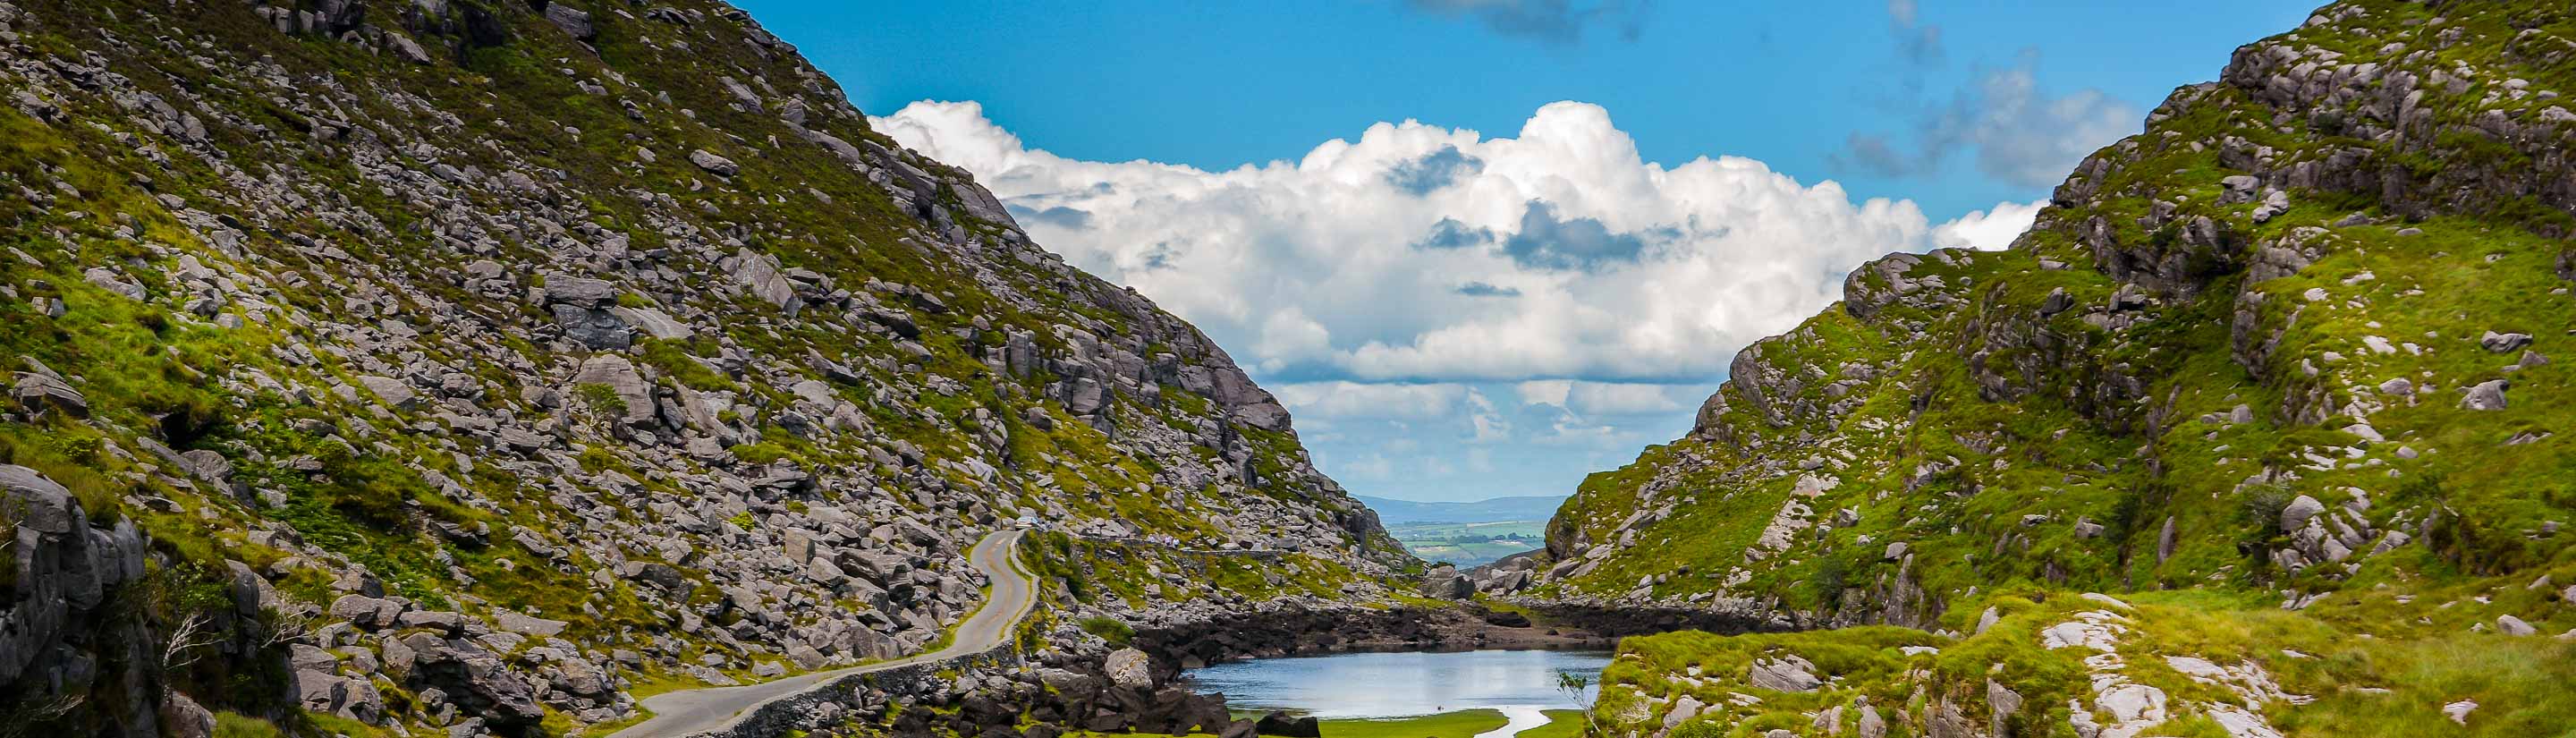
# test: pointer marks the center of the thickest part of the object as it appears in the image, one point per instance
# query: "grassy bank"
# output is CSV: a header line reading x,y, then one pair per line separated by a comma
x,y
1460,724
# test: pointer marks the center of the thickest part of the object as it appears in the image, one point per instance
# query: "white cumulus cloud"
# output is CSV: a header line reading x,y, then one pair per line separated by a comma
x,y
1988,230
1353,399
1423,254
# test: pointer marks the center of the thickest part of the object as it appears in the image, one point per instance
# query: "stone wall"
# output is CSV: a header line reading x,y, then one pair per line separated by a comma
x,y
863,697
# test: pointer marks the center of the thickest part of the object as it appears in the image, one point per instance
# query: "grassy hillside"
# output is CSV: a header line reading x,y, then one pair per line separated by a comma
x,y
2291,369
502,360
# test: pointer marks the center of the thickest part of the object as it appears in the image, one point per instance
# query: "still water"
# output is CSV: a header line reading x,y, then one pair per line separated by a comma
x,y
1373,685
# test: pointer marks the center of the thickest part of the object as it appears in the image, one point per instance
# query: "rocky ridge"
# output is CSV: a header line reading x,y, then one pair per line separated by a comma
x,y
2300,346
474,365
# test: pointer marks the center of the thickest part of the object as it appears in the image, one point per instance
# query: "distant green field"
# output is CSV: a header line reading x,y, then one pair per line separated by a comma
x,y
1470,544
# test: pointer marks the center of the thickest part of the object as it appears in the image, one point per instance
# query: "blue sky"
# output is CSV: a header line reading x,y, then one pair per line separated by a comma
x,y
1512,292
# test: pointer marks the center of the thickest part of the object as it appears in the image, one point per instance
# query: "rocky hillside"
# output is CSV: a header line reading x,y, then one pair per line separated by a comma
x,y
478,366
2293,366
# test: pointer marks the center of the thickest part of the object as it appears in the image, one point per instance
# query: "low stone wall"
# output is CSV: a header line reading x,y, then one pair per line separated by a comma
x,y
1294,631
862,696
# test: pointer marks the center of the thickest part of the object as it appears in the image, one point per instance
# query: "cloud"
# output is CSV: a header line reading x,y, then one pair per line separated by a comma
x,y
1486,419
1988,230
1372,467
1902,12
1606,398
1545,241
1057,216
1918,43
1433,171
1552,21
1338,266
2022,135
1353,399
1601,398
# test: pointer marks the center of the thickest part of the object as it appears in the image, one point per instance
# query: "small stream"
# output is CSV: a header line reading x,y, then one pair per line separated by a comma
x,y
1401,684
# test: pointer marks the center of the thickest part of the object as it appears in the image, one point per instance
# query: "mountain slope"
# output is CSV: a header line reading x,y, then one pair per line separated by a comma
x,y
2304,343
476,365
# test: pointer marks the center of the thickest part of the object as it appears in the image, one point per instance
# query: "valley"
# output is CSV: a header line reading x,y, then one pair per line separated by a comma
x,y
1469,544
553,369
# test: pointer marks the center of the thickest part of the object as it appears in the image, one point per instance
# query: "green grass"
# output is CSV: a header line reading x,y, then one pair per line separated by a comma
x,y
1459,724
1560,724
2374,667
1110,629
230,724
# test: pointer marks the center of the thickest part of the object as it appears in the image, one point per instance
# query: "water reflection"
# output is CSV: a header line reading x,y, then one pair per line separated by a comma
x,y
1368,685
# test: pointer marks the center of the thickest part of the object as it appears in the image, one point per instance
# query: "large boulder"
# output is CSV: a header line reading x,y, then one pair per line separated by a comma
x,y
36,391
474,678
1129,668
621,378
2296,514
1288,726
1445,582
574,21
761,275
1785,674
393,391
586,309
714,164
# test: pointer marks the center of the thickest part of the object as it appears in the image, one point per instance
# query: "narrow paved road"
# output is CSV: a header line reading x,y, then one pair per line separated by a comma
x,y
695,711
1518,718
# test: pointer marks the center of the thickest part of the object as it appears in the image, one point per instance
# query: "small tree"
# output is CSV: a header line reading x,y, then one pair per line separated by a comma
x,y
1578,689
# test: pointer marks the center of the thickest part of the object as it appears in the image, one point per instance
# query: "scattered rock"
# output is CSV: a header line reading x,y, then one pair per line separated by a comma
x,y
2513,626
716,165
2487,395
2504,342
2459,711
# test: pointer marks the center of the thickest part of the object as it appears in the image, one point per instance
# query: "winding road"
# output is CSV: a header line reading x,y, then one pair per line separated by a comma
x,y
695,711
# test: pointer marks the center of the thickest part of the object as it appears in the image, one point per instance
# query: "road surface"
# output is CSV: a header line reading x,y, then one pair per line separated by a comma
x,y
1520,718
694,711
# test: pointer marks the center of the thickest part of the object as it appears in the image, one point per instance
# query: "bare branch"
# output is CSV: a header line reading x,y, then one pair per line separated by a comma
x,y
18,720
186,642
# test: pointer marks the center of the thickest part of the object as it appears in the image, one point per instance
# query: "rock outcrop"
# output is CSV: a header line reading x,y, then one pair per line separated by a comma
x,y
2286,341
2061,387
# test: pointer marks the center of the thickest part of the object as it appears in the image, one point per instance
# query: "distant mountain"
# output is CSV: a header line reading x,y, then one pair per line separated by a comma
x,y
1400,512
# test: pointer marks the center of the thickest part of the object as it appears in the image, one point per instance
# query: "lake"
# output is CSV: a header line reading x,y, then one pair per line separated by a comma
x,y
1379,685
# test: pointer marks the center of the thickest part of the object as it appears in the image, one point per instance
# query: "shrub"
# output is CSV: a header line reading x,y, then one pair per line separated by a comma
x,y
230,724
602,397
1110,629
